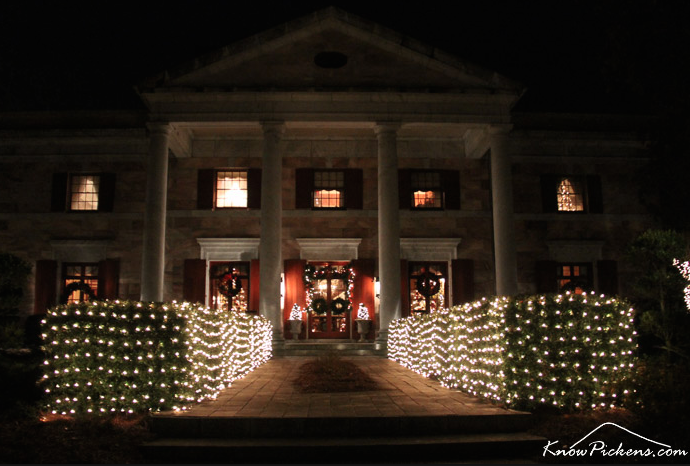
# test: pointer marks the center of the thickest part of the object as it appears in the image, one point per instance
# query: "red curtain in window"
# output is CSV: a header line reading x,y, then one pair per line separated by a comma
x,y
607,276
463,281
404,289
254,286
294,291
546,277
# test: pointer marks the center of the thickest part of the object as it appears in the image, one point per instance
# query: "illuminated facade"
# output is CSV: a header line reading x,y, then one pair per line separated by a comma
x,y
326,162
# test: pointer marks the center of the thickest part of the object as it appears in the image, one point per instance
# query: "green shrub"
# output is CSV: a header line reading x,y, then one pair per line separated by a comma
x,y
13,274
567,351
113,356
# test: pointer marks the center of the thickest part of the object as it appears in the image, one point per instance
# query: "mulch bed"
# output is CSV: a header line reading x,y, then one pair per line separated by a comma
x,y
330,373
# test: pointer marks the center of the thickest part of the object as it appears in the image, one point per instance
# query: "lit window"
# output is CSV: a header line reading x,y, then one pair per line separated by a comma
x,y
329,189
574,278
84,192
79,282
570,196
231,189
229,286
427,282
426,190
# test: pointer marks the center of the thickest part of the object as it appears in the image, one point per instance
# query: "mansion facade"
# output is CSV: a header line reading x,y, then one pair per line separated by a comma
x,y
327,163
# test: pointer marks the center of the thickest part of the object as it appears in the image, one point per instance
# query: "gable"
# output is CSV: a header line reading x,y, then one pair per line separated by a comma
x,y
376,59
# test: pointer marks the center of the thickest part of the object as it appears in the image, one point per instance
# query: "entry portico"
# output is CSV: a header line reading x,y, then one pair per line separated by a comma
x,y
388,90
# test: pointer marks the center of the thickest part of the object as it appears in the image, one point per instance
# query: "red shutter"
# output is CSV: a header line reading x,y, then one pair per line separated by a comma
x,y
304,185
546,277
194,277
364,290
450,181
45,286
294,291
58,200
206,184
404,289
254,286
108,279
254,188
106,192
463,281
607,276
354,189
404,189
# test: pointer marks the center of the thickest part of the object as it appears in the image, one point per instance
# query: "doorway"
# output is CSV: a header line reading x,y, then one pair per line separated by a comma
x,y
329,313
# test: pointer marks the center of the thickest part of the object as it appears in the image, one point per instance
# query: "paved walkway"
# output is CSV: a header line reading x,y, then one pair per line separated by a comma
x,y
269,392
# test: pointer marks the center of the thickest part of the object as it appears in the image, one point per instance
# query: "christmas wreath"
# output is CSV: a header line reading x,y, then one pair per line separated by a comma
x,y
78,286
229,285
340,305
319,305
428,284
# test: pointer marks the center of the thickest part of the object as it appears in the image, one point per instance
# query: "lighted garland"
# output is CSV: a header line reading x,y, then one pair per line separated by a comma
x,y
567,351
684,269
113,356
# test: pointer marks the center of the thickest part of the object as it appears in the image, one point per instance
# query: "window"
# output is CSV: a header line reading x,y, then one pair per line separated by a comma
x,y
84,192
428,289
229,286
228,188
326,189
429,189
329,190
79,282
231,188
574,277
569,194
427,192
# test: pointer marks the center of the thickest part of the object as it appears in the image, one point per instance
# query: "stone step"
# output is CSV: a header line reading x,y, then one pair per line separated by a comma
x,y
319,347
341,449
265,427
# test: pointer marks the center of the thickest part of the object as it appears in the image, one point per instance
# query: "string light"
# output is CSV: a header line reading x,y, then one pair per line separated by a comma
x,y
97,360
684,268
566,350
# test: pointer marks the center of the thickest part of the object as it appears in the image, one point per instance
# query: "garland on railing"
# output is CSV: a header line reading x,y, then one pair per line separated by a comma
x,y
316,303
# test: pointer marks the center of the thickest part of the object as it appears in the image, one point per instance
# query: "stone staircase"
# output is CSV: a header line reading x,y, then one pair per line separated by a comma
x,y
398,439
318,347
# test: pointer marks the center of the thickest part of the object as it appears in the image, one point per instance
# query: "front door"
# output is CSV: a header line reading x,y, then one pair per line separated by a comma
x,y
329,315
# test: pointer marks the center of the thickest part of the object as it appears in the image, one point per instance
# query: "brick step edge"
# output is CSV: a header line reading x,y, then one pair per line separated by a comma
x,y
247,427
366,449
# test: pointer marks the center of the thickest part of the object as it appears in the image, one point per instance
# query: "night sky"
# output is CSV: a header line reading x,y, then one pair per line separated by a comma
x,y
613,56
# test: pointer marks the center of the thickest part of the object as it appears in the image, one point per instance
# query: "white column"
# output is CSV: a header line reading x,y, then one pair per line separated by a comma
x,y
271,227
504,224
153,253
389,227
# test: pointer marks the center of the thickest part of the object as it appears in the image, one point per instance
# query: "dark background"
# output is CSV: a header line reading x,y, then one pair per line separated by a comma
x,y
573,55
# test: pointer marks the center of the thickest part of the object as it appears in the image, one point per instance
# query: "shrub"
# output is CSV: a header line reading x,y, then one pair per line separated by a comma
x,y
567,351
113,356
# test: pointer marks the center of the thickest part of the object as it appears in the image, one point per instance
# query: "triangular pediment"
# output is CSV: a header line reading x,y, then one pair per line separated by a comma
x,y
375,58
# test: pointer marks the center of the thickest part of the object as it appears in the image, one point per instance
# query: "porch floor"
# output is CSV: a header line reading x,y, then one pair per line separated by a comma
x,y
268,392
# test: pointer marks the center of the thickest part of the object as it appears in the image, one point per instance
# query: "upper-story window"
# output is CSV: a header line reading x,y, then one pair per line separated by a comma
x,y
83,192
427,192
329,190
571,193
429,189
231,188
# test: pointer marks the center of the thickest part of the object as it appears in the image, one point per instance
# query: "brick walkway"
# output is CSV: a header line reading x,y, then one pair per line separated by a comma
x,y
268,392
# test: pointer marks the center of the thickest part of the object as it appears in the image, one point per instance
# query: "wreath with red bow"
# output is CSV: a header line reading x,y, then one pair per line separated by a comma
x,y
230,285
428,284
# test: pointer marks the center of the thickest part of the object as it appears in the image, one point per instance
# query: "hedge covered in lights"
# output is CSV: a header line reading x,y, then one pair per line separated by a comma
x,y
570,351
114,356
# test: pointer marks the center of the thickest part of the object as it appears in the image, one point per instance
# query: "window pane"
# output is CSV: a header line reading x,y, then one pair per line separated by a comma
x,y
329,189
231,189
569,196
328,199
427,199
84,192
